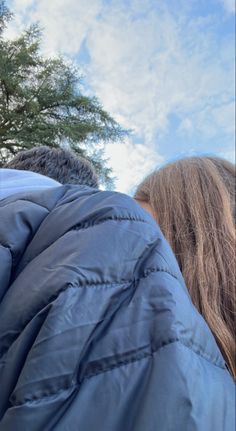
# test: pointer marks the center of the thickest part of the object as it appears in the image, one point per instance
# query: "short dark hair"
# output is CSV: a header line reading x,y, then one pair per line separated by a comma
x,y
60,164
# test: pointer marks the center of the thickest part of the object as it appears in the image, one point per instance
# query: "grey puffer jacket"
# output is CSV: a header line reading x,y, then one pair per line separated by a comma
x,y
97,330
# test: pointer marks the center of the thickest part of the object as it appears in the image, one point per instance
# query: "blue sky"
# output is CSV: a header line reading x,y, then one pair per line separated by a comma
x,y
163,68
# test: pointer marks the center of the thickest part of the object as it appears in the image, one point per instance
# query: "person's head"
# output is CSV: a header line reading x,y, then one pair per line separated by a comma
x,y
193,200
62,165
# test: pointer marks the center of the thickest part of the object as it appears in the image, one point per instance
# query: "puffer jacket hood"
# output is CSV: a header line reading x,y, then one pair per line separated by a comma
x,y
97,329
14,181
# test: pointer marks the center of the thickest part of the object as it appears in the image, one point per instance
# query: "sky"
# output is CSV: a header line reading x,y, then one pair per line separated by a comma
x,y
162,68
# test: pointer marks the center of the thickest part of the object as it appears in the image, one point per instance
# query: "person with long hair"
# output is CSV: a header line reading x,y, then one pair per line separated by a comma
x,y
193,201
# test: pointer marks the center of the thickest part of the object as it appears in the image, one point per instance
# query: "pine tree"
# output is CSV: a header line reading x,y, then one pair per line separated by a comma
x,y
42,103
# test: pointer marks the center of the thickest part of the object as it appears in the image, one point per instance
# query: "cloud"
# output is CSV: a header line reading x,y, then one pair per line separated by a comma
x,y
229,5
210,121
134,60
131,163
146,67
148,61
20,5
65,24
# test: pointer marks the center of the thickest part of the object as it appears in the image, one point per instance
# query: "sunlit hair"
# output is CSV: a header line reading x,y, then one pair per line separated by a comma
x,y
193,200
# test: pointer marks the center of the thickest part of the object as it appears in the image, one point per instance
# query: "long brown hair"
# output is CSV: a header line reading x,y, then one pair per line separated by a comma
x,y
193,200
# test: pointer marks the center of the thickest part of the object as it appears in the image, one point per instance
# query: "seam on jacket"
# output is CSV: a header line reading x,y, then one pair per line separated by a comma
x,y
81,286
8,246
42,206
138,358
153,351
87,224
147,272
91,191
3,204
5,246
27,200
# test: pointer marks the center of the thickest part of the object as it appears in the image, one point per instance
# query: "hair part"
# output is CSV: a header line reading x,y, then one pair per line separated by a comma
x,y
62,165
194,203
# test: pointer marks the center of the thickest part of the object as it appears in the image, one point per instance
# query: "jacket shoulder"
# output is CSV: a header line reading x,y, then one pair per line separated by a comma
x,y
104,319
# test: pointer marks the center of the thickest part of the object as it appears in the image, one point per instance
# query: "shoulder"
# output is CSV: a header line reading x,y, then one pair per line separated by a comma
x,y
100,299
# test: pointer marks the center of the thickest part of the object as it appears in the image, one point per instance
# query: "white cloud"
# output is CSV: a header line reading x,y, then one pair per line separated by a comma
x,y
146,64
224,117
186,126
229,5
211,121
20,6
145,69
129,70
65,23
131,163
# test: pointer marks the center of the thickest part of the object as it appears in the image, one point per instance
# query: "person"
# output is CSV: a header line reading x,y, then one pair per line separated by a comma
x,y
44,167
60,164
97,329
193,200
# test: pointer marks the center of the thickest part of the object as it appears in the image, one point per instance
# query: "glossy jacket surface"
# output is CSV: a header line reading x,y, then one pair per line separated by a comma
x,y
97,330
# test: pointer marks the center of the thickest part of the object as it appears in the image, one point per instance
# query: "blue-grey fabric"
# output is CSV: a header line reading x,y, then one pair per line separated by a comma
x,y
14,181
97,329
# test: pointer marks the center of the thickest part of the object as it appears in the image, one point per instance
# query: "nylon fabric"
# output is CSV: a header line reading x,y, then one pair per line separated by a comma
x,y
97,329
